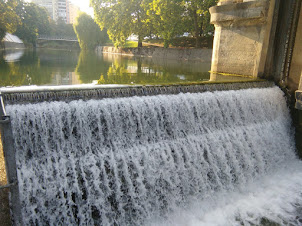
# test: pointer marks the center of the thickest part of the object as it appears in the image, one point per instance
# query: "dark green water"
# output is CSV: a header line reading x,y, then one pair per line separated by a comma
x,y
55,67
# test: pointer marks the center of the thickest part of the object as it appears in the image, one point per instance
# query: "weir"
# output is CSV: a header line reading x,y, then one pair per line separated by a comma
x,y
183,155
68,93
214,154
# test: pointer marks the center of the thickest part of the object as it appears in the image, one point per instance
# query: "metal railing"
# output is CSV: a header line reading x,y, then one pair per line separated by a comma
x,y
57,38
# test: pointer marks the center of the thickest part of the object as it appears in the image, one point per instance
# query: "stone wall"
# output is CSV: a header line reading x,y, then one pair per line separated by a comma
x,y
202,55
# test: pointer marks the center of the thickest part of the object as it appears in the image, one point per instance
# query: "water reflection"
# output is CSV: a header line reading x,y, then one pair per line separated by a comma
x,y
13,55
11,74
91,67
53,67
137,70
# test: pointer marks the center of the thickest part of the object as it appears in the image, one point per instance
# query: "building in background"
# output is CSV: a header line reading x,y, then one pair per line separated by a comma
x,y
59,9
47,4
11,41
73,13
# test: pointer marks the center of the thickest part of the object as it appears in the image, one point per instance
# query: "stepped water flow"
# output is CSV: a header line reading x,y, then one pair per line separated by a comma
x,y
213,158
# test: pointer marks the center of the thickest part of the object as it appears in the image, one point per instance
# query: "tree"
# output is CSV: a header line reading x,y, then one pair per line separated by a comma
x,y
9,20
88,32
43,23
61,29
122,18
198,18
140,21
167,17
164,18
34,20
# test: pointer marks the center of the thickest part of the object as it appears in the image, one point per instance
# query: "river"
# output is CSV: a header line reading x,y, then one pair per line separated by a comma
x,y
61,67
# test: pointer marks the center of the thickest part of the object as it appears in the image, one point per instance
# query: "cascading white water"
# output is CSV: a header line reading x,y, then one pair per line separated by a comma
x,y
221,158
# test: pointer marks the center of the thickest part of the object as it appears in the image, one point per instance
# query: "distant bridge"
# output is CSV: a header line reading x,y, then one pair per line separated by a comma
x,y
56,38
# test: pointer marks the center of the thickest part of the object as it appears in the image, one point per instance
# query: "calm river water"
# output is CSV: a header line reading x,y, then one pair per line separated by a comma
x,y
58,67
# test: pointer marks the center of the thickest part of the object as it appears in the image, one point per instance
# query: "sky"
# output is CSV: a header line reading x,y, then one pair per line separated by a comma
x,y
84,6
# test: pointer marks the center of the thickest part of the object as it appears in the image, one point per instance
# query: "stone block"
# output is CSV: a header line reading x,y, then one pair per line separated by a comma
x,y
245,13
240,33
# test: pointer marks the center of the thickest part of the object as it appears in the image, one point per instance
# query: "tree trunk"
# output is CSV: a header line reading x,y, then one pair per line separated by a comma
x,y
200,27
139,67
166,43
196,28
140,41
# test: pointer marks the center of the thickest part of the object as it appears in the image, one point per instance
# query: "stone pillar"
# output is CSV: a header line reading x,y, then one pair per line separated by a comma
x,y
242,32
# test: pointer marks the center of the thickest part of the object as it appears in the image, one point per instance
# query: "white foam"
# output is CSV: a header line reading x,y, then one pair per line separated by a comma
x,y
186,159
276,197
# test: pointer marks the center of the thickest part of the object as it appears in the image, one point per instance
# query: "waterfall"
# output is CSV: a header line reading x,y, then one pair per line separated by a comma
x,y
212,158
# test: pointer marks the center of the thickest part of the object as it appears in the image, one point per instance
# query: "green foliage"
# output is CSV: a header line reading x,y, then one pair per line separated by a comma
x,y
167,17
9,20
164,18
43,23
88,32
122,18
34,21
198,17
61,29
28,21
110,14
184,42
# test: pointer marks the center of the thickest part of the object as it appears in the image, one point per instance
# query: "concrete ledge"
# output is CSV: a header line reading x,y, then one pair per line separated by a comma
x,y
299,99
246,13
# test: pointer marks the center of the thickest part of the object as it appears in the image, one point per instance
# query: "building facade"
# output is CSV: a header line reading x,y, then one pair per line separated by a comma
x,y
47,4
59,9
72,13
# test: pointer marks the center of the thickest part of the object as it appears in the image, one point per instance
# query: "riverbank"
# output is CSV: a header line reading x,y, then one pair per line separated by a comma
x,y
201,55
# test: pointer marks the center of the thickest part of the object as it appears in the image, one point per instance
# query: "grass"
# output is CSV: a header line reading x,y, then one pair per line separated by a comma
x,y
182,42
130,44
